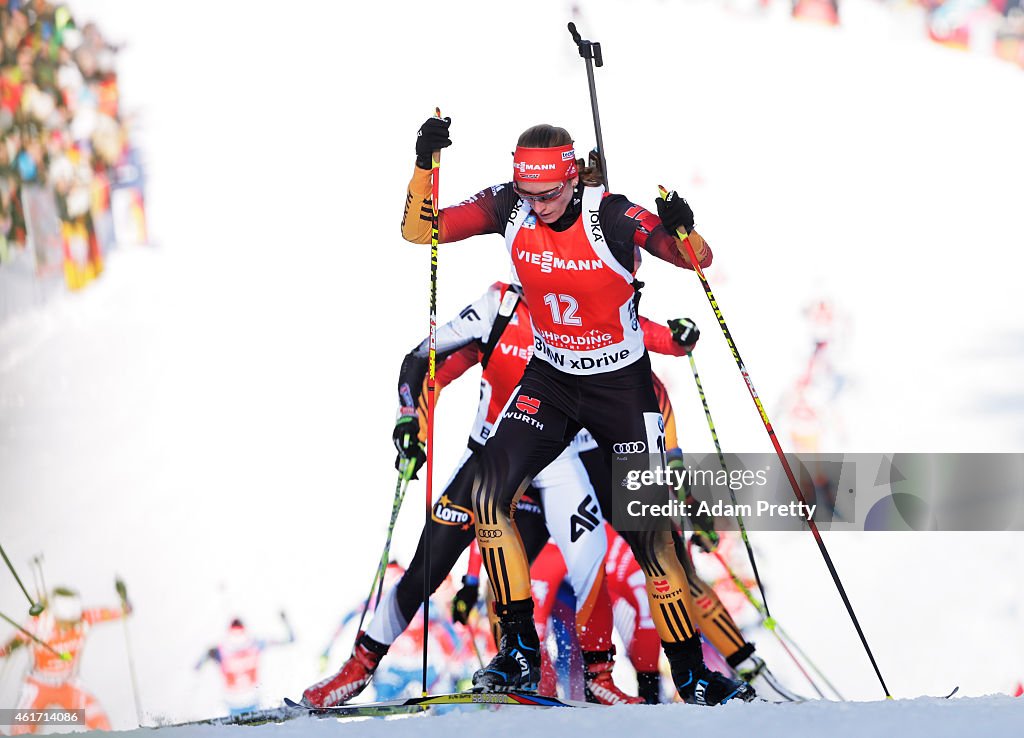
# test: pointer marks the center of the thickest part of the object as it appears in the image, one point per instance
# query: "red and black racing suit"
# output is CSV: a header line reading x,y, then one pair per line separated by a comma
x,y
589,369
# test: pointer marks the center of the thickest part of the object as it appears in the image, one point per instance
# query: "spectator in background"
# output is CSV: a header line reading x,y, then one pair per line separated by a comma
x,y
60,127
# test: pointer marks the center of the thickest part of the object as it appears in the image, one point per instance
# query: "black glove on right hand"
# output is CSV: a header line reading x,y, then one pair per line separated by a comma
x,y
406,437
465,599
432,136
675,213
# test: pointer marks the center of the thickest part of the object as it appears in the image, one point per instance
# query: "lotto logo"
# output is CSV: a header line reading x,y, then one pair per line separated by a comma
x,y
528,405
446,512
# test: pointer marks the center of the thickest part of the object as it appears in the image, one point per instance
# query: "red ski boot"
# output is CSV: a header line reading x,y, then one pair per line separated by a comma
x,y
597,680
350,680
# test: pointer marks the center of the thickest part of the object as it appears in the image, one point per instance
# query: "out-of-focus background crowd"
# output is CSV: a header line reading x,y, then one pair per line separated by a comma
x,y
71,184
990,26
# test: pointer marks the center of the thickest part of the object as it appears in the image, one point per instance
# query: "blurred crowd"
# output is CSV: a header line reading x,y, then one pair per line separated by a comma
x,y
65,148
990,26
996,25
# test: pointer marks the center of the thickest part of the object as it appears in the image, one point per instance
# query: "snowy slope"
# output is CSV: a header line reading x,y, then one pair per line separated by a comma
x,y
211,421
998,717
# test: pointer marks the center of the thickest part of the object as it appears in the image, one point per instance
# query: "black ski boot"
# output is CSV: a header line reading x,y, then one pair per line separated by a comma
x,y
697,684
649,686
516,666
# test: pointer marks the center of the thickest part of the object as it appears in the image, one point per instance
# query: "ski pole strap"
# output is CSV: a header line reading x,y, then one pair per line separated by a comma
x,y
507,308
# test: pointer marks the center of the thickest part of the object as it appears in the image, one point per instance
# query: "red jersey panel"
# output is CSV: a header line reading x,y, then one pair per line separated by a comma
x,y
464,338
582,300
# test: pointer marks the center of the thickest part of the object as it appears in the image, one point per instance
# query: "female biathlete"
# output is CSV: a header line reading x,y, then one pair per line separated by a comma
x,y
575,250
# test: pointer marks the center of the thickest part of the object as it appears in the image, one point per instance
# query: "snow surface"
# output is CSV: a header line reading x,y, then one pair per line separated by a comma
x,y
211,420
926,717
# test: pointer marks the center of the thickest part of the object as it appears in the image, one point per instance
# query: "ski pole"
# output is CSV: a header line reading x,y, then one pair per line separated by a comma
x,y
65,656
404,474
435,234
122,592
681,496
732,494
591,53
37,576
474,618
777,630
34,607
684,237
772,625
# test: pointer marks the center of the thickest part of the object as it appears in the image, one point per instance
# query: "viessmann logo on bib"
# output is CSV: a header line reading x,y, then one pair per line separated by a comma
x,y
547,261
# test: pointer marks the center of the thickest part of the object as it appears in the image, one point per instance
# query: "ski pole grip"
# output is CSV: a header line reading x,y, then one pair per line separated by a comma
x,y
588,49
575,33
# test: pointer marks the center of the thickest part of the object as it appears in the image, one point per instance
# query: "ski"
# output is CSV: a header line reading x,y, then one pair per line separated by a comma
x,y
420,704
255,717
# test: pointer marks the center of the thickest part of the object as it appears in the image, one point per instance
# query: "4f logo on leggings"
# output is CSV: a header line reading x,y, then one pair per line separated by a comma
x,y
584,519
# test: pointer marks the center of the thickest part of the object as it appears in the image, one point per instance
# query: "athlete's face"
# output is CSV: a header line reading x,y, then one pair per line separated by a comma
x,y
548,210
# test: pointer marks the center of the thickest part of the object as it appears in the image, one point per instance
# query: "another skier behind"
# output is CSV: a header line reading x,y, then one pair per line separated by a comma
x,y
52,681
495,332
238,656
575,251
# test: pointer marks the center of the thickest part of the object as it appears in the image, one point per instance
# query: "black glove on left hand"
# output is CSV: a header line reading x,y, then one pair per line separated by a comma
x,y
675,213
416,456
407,443
684,331
432,136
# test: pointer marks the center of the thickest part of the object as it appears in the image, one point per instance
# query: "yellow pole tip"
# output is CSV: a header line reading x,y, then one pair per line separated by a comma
x,y
66,656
